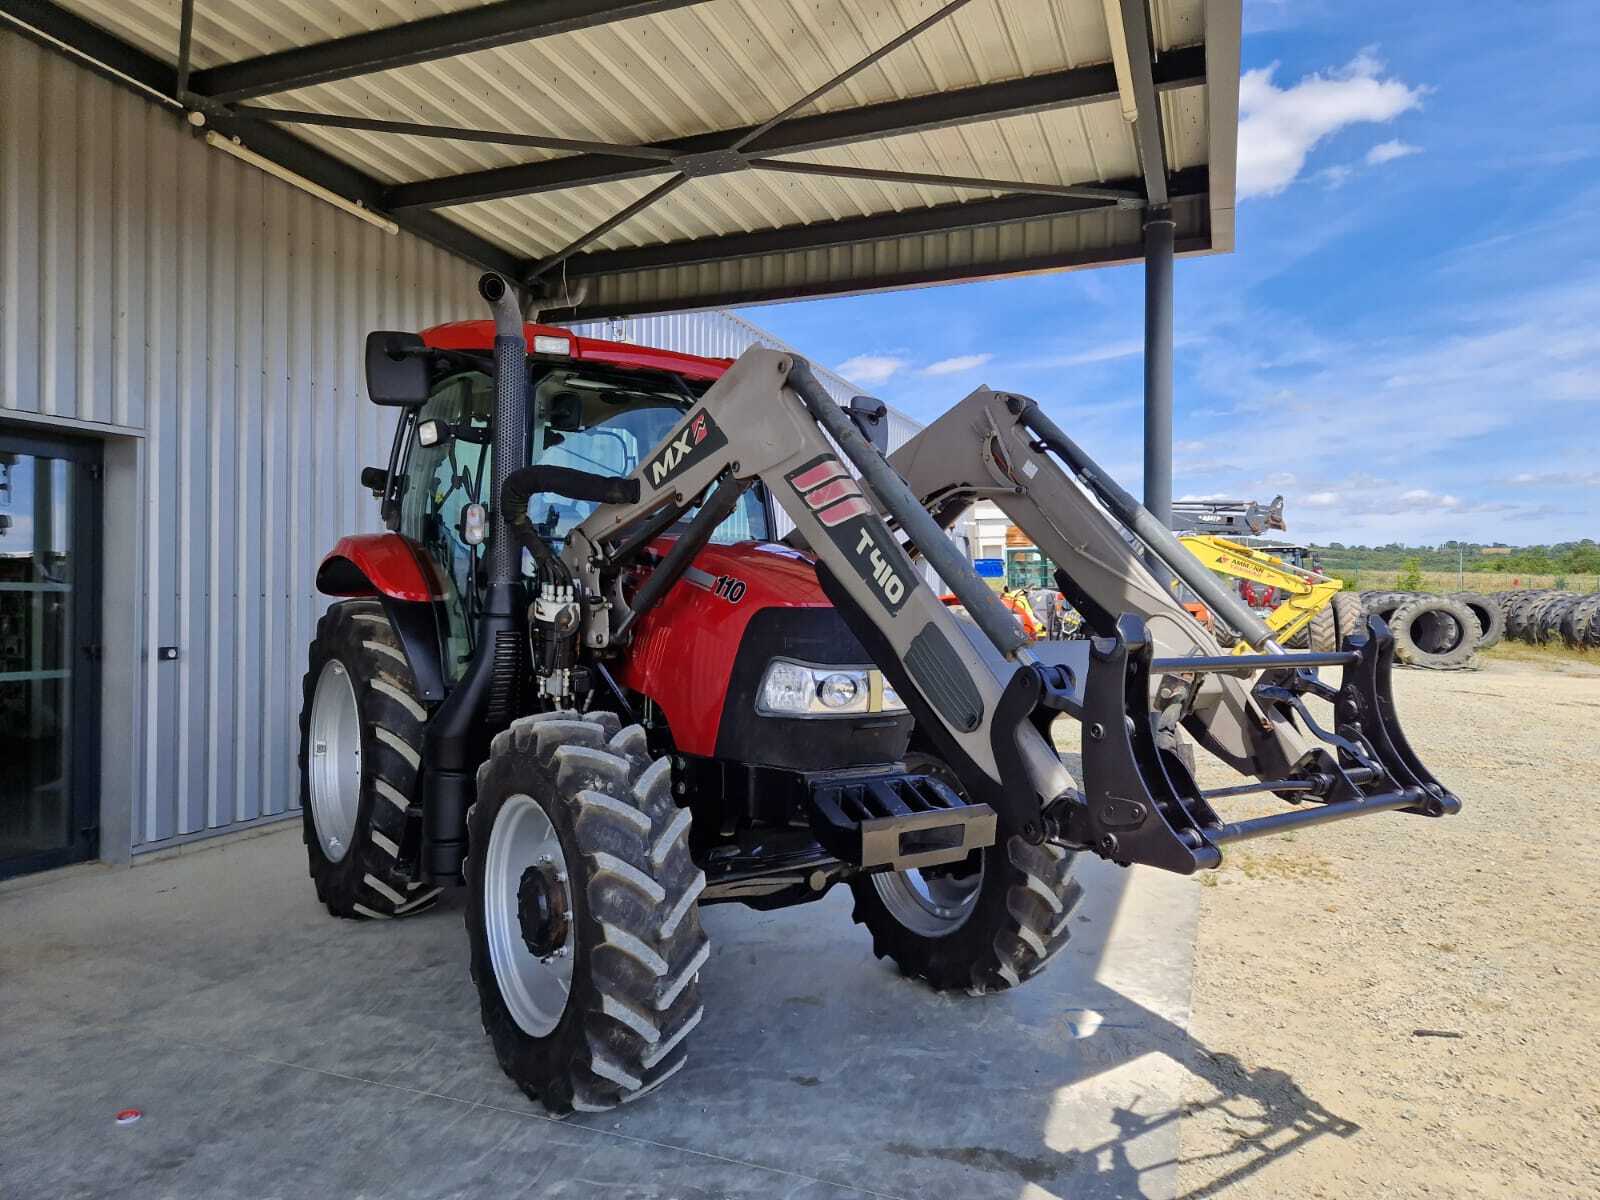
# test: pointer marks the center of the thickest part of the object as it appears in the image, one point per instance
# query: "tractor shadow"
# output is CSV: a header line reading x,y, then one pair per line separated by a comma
x,y
817,1059
1268,1117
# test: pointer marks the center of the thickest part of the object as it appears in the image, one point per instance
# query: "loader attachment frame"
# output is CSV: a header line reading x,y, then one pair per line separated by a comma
x,y
981,692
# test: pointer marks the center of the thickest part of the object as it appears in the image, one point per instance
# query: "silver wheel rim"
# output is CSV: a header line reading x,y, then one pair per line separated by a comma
x,y
335,760
534,989
929,905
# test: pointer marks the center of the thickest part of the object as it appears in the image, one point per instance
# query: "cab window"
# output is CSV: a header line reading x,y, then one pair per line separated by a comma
x,y
442,480
590,419
606,423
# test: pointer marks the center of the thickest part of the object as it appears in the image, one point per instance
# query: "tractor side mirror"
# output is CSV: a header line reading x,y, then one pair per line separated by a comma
x,y
871,417
397,369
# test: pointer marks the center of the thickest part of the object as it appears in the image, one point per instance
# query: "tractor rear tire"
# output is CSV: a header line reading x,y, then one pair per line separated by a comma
x,y
1434,631
1550,614
1349,617
1575,621
360,746
1491,620
1013,918
1521,615
578,866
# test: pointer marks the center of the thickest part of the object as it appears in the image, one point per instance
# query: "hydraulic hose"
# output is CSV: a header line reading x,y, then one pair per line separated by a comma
x,y
523,484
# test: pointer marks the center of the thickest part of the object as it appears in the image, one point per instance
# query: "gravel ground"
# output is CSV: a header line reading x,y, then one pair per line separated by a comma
x,y
1400,1007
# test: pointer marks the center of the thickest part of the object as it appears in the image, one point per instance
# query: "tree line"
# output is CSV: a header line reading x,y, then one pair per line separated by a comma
x,y
1576,558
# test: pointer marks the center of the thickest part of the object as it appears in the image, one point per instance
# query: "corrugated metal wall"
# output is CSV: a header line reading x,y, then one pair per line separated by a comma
x,y
162,290
155,289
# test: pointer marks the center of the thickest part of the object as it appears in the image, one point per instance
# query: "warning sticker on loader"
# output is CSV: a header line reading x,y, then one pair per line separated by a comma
x,y
696,439
850,521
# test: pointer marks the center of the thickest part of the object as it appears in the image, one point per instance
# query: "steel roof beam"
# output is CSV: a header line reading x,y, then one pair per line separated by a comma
x,y
93,48
454,133
824,235
893,281
443,36
986,102
1147,129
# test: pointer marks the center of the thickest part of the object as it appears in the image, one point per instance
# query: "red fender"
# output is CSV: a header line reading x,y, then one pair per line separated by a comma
x,y
379,564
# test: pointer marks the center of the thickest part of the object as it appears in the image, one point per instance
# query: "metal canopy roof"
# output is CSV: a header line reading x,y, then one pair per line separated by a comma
x,y
622,157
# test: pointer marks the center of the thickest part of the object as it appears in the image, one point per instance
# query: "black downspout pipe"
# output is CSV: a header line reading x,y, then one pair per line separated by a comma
x,y
457,737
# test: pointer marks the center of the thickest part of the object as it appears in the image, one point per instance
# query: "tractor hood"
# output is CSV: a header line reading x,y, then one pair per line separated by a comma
x,y
700,653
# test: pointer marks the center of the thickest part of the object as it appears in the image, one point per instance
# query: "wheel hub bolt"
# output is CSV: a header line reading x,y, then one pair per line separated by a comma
x,y
543,914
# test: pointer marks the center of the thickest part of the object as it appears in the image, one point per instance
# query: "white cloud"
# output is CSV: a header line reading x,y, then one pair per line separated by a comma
x,y
872,369
1394,148
1278,126
1320,499
954,366
1109,352
1556,479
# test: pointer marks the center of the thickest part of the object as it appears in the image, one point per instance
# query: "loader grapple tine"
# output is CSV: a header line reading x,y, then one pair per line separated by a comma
x,y
1134,810
1141,803
1366,703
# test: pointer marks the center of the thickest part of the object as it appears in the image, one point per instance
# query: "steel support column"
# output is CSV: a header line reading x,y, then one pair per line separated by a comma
x,y
1158,235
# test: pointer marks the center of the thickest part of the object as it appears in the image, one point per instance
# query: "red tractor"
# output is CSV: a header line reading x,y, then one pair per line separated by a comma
x,y
579,675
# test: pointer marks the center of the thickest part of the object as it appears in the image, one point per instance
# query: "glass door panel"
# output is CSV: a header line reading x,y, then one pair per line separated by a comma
x,y
46,653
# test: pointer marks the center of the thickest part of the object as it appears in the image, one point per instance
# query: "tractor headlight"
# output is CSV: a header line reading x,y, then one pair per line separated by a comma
x,y
839,690
792,689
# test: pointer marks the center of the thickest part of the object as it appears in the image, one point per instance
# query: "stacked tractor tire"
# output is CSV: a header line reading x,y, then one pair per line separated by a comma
x,y
1553,617
1445,631
1440,632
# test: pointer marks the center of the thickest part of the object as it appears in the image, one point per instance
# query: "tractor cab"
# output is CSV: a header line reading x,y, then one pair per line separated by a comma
x,y
593,406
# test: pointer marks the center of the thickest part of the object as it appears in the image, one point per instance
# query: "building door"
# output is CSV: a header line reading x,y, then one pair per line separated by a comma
x,y
49,651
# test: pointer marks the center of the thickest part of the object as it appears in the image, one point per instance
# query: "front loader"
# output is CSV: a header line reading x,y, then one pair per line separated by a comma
x,y
578,676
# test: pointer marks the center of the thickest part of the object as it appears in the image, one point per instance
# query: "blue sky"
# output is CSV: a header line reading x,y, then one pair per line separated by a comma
x,y
1406,341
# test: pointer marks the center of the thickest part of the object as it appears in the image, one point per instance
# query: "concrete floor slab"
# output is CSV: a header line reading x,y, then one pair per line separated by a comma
x,y
276,1052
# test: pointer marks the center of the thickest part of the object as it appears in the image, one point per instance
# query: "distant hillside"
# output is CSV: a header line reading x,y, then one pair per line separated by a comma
x,y
1563,558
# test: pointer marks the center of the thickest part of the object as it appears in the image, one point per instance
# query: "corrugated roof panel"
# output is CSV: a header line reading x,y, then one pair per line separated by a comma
x,y
715,65
718,65
232,30
1177,23
1083,145
1183,124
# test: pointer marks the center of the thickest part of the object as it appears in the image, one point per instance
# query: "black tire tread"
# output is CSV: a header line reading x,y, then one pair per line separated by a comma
x,y
1022,921
1349,616
1406,647
1490,618
369,882
640,946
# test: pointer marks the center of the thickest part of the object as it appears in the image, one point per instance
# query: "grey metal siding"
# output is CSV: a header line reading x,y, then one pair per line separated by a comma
x,y
154,288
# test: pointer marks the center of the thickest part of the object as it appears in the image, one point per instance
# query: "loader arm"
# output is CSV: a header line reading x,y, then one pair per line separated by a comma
x,y
980,691
759,422
979,449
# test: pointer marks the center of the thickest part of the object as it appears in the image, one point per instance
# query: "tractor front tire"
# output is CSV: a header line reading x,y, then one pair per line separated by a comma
x,y
582,914
360,746
1006,911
